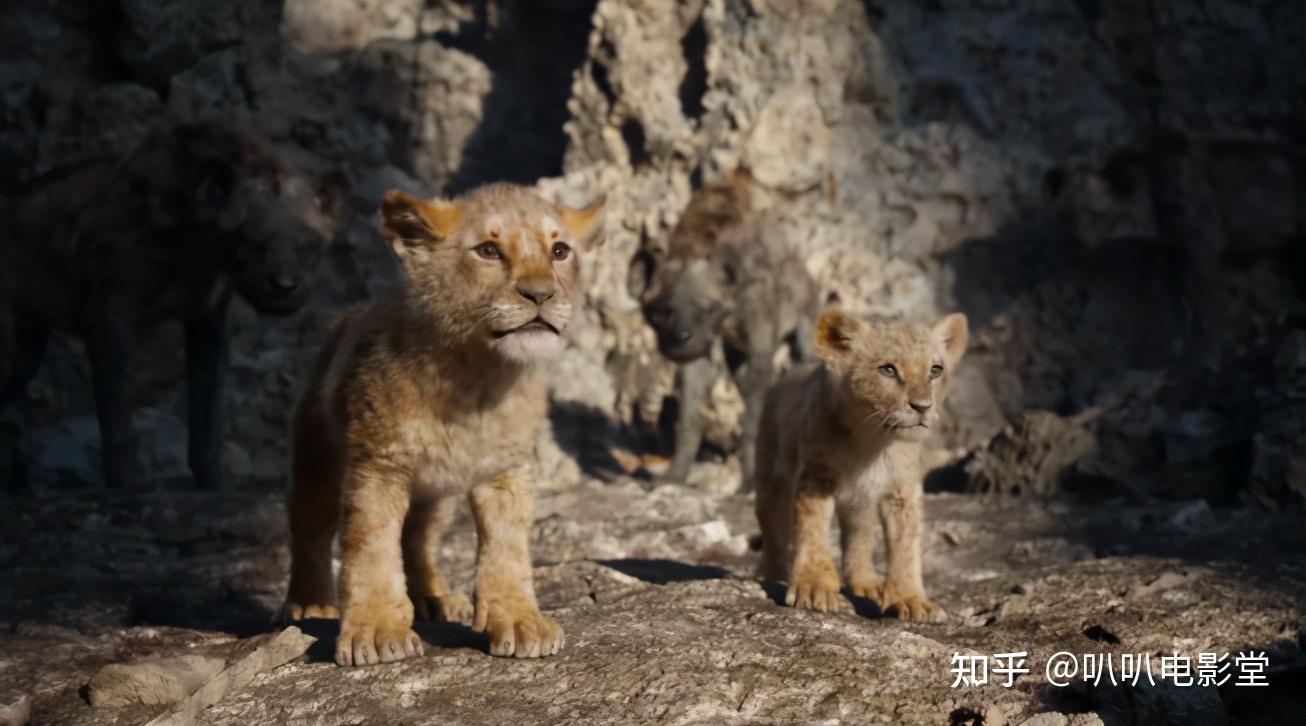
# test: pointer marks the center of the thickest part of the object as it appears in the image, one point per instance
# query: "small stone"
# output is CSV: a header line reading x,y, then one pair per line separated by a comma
x,y
1166,581
152,682
277,650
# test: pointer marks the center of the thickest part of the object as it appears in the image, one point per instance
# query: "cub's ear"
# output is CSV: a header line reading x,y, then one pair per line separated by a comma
x,y
952,331
585,225
835,333
410,224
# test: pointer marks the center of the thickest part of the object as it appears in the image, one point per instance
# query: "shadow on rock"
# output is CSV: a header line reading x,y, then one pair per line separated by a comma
x,y
452,635
195,606
326,631
660,572
1164,701
587,435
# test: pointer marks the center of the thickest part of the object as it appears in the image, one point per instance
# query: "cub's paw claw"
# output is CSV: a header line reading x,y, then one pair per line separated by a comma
x,y
518,631
911,608
294,612
366,645
870,590
820,595
456,608
451,608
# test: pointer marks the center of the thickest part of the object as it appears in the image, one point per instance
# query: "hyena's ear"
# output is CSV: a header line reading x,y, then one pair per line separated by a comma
x,y
585,225
332,198
212,155
212,186
411,225
952,331
219,157
835,333
741,177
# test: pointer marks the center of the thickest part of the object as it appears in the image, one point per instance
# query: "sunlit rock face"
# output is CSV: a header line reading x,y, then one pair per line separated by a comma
x,y
1111,192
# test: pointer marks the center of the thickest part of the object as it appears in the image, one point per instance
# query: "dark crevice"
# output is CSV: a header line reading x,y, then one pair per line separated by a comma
x,y
694,84
599,73
660,572
1101,635
965,717
632,132
532,50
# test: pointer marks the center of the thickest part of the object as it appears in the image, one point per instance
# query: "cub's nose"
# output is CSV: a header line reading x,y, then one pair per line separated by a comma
x,y
537,292
921,406
282,284
681,336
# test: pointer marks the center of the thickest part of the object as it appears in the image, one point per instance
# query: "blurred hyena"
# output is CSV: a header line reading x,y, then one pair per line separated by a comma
x,y
110,249
727,273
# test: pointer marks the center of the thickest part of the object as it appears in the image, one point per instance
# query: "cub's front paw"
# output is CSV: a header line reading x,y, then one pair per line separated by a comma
x,y
366,644
817,591
912,607
517,629
452,608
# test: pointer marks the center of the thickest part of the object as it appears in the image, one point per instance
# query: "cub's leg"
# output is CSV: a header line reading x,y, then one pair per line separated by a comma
x,y
506,609
813,580
317,473
376,616
857,523
904,590
427,588
775,517
695,385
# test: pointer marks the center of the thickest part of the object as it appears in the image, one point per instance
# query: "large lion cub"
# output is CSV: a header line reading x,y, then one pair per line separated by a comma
x,y
845,437
424,397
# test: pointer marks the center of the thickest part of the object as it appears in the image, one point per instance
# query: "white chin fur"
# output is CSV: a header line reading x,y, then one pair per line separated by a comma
x,y
529,346
911,433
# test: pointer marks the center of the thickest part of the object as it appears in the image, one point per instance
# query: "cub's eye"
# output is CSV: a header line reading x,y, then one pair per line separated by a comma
x,y
488,251
889,370
561,251
935,372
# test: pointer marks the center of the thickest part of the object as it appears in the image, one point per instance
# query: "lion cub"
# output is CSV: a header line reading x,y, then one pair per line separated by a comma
x,y
426,396
846,437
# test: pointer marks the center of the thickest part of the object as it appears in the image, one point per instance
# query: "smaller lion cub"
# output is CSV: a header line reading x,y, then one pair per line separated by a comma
x,y
845,437
423,398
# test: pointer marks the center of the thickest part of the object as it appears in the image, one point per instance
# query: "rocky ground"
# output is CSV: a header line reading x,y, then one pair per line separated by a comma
x,y
664,621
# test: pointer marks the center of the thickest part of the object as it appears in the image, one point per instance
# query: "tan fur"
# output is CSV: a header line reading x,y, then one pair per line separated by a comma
x,y
845,437
425,397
